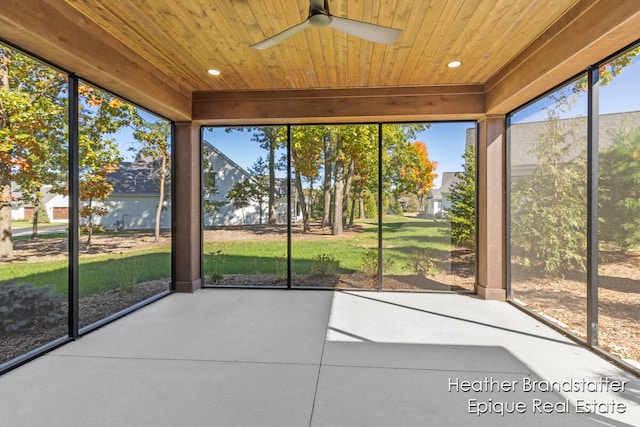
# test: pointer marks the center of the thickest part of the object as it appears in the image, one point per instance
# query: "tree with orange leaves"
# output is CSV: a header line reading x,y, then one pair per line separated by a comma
x,y
101,115
32,133
417,173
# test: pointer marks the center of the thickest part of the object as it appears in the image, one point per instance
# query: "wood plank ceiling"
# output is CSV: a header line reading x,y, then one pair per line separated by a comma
x,y
185,38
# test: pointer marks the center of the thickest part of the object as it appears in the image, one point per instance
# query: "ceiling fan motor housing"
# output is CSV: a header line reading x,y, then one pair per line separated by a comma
x,y
319,18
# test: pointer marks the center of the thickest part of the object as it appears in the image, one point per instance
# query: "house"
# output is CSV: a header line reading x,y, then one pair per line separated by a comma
x,y
56,205
132,204
524,158
438,200
220,174
134,200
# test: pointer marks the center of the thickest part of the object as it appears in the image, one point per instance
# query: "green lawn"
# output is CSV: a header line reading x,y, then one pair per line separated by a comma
x,y
21,224
96,274
404,240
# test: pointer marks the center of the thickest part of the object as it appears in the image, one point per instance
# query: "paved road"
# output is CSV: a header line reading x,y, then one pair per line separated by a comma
x,y
42,229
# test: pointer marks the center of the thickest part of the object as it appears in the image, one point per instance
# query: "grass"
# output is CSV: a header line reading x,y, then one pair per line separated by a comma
x,y
21,224
403,239
96,274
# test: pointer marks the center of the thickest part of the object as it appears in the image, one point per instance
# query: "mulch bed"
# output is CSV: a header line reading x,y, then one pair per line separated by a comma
x,y
564,301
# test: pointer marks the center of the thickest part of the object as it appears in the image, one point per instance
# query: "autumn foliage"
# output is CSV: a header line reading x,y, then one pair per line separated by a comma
x,y
418,173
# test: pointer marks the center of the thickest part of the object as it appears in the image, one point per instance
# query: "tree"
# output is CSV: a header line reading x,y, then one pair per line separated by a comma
x,y
463,201
549,212
417,174
351,143
549,217
254,189
258,184
32,129
306,156
620,185
365,179
154,137
327,154
270,138
240,194
100,116
608,71
396,154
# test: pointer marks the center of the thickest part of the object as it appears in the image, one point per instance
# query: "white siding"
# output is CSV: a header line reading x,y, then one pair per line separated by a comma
x,y
137,211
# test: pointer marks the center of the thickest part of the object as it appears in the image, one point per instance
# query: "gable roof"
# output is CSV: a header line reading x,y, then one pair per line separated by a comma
x,y
523,156
138,177
448,180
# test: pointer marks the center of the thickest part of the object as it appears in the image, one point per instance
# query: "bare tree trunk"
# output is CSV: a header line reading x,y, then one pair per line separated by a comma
x,y
272,180
347,189
303,204
338,197
156,237
301,199
326,210
6,242
353,209
34,220
90,225
310,204
361,207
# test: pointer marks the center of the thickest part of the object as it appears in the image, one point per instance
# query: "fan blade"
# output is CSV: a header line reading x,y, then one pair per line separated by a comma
x,y
364,30
280,37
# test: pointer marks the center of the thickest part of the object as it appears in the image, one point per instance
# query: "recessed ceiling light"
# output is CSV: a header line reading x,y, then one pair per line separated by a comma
x,y
454,64
214,72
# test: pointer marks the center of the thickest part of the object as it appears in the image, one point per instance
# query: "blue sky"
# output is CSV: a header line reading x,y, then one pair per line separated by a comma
x,y
621,94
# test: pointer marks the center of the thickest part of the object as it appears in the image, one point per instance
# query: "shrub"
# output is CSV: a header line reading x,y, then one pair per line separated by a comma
x,y
281,268
28,306
369,263
324,264
213,268
370,206
420,264
395,209
43,216
129,270
95,229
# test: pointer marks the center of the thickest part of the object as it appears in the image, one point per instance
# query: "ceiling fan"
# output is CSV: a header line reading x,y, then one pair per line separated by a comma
x,y
319,16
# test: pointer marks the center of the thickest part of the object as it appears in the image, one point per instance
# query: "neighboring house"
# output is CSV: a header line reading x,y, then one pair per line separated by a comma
x,y
434,203
134,200
227,173
439,200
523,159
135,197
57,206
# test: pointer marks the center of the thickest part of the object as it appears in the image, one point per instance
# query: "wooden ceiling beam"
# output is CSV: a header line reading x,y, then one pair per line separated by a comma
x,y
57,32
464,102
585,35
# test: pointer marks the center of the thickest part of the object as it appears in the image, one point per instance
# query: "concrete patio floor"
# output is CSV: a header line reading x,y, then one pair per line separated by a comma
x,y
320,358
